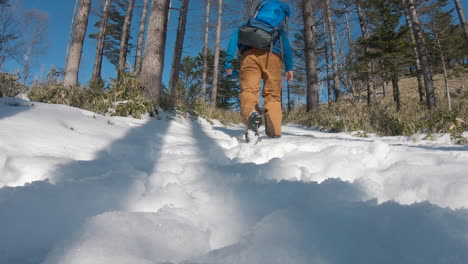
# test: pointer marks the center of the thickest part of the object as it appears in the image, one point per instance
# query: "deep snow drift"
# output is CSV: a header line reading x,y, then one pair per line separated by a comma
x,y
77,187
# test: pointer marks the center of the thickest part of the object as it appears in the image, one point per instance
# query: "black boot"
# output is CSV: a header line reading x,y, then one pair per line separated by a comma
x,y
253,123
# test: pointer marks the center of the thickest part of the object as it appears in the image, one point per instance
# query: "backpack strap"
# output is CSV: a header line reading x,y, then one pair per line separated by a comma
x,y
259,7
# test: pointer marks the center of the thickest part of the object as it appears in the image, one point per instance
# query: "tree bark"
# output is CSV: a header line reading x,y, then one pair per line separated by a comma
x,y
461,15
153,60
100,46
423,56
327,63
74,57
179,45
125,37
396,92
205,51
365,34
349,79
72,28
416,54
331,29
141,37
214,87
310,56
442,58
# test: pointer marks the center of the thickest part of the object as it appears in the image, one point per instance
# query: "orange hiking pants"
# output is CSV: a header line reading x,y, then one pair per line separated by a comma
x,y
260,65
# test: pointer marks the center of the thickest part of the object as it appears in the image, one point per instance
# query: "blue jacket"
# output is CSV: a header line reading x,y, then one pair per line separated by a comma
x,y
286,52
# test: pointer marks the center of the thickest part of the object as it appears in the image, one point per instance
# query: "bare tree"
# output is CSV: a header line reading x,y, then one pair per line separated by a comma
x,y
72,28
331,29
311,57
423,55
214,87
205,50
100,46
9,32
153,60
438,36
74,57
461,15
125,37
416,54
141,36
33,41
249,7
327,62
179,45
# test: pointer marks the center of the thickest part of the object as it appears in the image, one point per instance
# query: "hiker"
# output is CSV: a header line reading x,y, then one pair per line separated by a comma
x,y
264,47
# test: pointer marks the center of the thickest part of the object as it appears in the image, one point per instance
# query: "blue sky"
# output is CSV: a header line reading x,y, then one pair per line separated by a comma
x,y
60,13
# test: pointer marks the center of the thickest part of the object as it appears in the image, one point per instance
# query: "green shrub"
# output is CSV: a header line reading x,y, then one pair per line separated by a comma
x,y
122,98
10,85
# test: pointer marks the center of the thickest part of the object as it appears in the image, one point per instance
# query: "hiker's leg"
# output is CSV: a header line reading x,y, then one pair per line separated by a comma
x,y
250,77
272,76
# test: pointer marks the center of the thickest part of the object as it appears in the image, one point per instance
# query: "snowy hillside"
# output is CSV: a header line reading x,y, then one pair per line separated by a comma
x,y
77,187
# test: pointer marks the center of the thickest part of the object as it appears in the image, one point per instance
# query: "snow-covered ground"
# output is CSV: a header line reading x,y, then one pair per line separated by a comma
x,y
77,187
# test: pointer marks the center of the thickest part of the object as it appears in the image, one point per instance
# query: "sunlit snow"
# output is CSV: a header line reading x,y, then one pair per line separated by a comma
x,y
78,187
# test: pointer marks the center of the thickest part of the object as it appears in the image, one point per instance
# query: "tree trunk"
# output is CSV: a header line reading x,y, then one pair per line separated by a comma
x,y
153,60
331,29
100,46
461,15
396,92
310,56
442,58
179,45
125,37
416,54
214,87
349,79
141,37
72,27
369,83
74,57
205,51
327,63
423,56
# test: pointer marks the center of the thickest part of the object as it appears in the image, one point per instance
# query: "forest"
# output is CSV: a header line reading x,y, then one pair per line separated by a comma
x,y
392,67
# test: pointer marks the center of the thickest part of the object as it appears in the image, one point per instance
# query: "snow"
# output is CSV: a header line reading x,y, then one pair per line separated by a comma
x,y
78,187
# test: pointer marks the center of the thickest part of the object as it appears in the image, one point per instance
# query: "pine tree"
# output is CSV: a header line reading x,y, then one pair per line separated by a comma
x,y
125,37
409,24
141,36
423,55
96,78
387,42
178,47
369,63
114,31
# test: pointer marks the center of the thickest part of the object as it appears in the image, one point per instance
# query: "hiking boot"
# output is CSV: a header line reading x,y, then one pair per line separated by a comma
x,y
253,123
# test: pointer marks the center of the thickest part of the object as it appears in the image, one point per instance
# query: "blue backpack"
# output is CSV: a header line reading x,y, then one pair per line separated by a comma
x,y
265,26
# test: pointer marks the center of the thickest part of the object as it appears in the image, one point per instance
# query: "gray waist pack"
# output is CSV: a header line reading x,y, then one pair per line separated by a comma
x,y
255,37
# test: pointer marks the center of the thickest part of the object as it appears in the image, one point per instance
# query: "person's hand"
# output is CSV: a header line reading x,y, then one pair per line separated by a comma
x,y
229,71
289,76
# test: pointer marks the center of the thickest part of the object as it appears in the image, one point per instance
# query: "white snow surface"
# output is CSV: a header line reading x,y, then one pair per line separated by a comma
x,y
78,187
